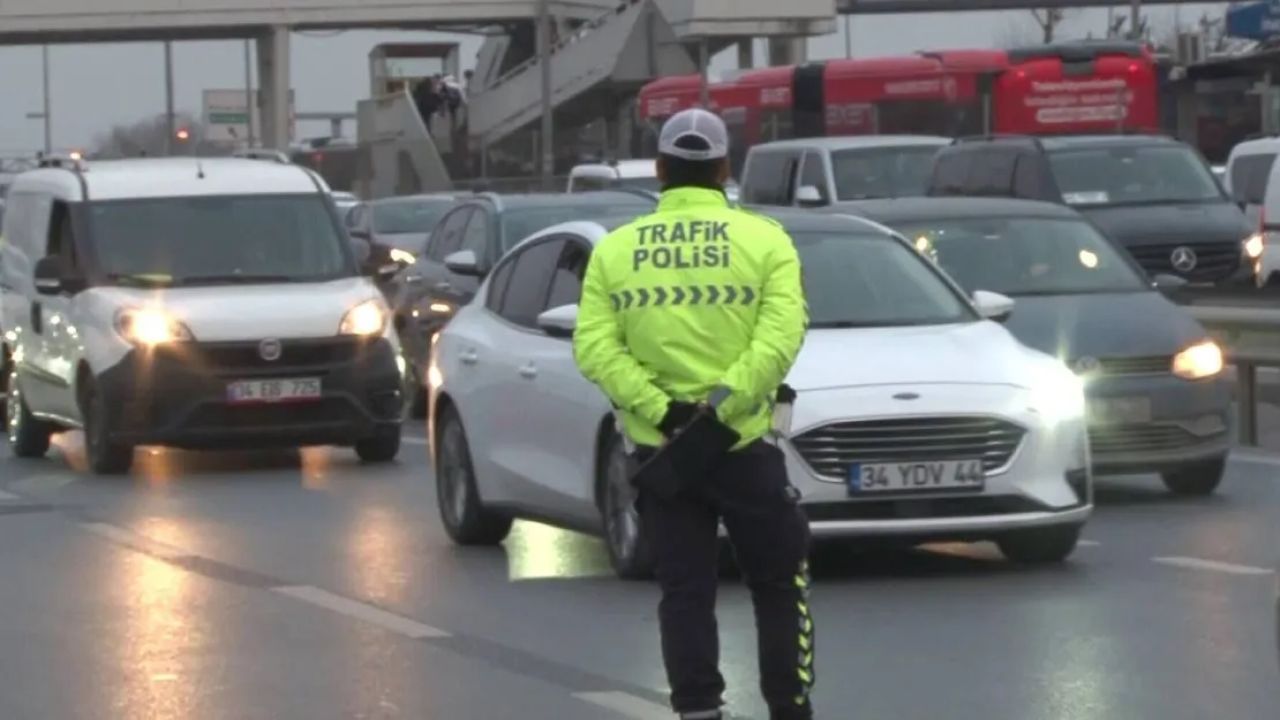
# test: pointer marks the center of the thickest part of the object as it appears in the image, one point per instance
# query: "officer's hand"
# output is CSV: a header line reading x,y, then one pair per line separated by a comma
x,y
679,414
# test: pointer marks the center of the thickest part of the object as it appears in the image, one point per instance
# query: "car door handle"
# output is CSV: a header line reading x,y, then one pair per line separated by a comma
x,y
529,371
414,279
444,286
469,357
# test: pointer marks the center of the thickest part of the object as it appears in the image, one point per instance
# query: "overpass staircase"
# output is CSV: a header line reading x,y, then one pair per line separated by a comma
x,y
595,67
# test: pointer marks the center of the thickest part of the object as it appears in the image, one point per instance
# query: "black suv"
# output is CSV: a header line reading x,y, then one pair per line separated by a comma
x,y
425,295
1153,195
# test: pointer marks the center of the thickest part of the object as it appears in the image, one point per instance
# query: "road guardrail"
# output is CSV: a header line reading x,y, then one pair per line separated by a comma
x,y
1250,339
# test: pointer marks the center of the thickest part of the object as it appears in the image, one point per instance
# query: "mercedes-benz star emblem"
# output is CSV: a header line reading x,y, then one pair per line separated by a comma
x,y
1087,365
270,349
1183,259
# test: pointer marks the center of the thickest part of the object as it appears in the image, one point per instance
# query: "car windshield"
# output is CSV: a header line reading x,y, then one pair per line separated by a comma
x,y
213,240
639,183
855,280
1024,256
1132,175
403,217
518,224
890,172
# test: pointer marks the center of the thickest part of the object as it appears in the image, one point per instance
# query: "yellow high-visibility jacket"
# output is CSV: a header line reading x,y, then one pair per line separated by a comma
x,y
696,296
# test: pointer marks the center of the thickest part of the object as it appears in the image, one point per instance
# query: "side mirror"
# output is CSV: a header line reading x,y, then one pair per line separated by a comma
x,y
48,276
1167,283
362,249
559,321
463,262
993,306
809,196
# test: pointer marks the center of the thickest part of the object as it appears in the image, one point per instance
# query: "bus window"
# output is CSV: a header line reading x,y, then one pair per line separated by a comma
x,y
775,125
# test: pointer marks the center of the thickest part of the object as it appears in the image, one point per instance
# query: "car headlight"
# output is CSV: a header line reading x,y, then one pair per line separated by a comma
x,y
367,319
1202,360
1058,397
150,326
402,256
1254,245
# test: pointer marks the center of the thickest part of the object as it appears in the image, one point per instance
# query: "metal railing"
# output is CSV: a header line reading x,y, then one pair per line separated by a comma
x,y
570,39
1250,339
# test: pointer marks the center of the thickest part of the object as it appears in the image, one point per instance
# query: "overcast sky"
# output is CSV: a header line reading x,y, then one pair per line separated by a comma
x,y
330,73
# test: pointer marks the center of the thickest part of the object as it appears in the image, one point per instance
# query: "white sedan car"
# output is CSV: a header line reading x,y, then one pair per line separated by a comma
x,y
918,417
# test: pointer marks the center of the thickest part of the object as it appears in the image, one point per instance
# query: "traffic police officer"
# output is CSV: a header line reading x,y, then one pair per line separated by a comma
x,y
698,300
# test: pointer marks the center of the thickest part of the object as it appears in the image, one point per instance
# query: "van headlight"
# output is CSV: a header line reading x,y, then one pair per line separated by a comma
x,y
404,257
1059,397
1254,245
1200,361
150,326
367,319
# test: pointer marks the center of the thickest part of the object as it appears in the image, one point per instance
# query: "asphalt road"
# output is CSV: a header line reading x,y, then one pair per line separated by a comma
x,y
283,586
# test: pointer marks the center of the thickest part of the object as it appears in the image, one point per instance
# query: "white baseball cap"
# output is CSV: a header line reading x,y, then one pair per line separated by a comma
x,y
694,135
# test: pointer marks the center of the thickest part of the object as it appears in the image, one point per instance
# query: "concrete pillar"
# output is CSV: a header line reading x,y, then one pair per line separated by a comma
x,y
746,53
788,51
274,82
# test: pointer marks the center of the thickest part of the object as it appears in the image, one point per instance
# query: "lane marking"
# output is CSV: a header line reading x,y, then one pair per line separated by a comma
x,y
414,440
1212,565
134,541
1089,543
625,704
8,496
360,611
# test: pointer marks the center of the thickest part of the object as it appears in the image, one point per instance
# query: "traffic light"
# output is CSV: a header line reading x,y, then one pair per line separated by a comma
x,y
184,134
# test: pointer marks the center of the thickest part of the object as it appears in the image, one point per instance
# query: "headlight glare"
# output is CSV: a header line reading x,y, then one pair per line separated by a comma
x,y
1059,397
150,326
1254,245
366,319
402,256
1202,360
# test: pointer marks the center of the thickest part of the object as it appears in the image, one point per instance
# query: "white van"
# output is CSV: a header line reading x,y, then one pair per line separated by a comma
x,y
637,174
818,172
1248,172
195,303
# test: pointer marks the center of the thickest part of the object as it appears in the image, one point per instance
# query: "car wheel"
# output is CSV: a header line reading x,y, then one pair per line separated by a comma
x,y
629,551
1041,546
28,436
381,447
462,511
105,457
1199,478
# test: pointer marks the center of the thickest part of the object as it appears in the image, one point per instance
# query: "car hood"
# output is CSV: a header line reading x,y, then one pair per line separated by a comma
x,y
246,312
1170,224
1137,324
412,242
976,353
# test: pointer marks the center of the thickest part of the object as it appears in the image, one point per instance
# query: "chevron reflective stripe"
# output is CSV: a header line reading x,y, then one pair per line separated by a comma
x,y
683,295
805,641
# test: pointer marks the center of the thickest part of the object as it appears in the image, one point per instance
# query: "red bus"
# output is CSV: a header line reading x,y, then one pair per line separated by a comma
x,y
1085,87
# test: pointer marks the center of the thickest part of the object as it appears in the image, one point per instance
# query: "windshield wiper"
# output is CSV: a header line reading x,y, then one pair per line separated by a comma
x,y
235,279
143,280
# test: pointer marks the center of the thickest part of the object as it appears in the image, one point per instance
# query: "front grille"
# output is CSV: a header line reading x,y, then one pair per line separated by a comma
x,y
831,449
294,354
220,416
1105,439
914,509
1148,365
1214,261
